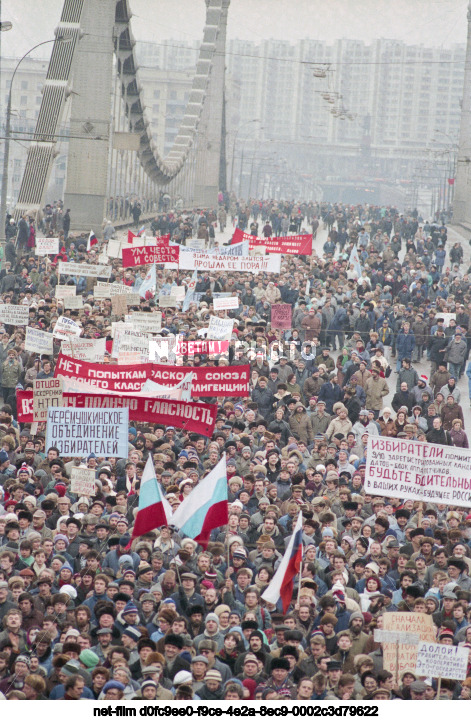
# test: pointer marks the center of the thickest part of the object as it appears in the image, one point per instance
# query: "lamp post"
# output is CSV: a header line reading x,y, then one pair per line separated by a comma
x,y
6,154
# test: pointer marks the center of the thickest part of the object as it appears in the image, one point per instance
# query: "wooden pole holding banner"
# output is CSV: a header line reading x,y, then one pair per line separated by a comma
x,y
439,688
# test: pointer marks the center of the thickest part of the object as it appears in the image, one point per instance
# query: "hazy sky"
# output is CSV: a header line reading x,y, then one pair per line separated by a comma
x,y
430,22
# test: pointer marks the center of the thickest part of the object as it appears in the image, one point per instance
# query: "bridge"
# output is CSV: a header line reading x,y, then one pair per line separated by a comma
x,y
93,69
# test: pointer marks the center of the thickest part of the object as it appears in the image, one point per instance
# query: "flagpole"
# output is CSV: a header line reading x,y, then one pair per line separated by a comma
x,y
300,574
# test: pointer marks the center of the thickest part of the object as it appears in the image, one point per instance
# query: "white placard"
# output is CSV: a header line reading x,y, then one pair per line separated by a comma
x,y
220,328
38,341
46,246
14,314
436,659
73,302
47,392
85,270
108,290
87,349
231,303
145,322
82,481
167,301
66,327
65,291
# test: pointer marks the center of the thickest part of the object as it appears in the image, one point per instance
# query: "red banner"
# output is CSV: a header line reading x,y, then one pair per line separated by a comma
x,y
194,417
190,347
289,244
224,381
150,254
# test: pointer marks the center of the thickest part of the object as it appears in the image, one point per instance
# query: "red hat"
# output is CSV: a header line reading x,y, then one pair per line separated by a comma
x,y
424,379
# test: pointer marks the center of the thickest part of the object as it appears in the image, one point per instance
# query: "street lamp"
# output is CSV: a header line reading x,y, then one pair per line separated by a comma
x,y
256,120
6,155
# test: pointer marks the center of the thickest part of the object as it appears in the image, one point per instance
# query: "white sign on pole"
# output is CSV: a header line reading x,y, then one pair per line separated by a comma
x,y
419,471
85,270
46,246
231,303
66,291
437,660
220,328
82,481
73,302
14,314
38,341
47,392
66,327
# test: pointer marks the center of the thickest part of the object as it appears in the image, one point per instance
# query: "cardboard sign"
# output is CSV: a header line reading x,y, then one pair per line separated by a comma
x,y
417,623
230,263
73,302
435,660
82,481
77,432
167,301
119,305
14,314
146,255
46,246
38,341
231,303
88,349
281,314
47,392
220,328
65,328
420,471
84,270
65,291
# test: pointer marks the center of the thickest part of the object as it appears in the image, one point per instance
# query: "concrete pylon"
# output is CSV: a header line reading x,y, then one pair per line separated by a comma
x,y
210,135
87,165
462,195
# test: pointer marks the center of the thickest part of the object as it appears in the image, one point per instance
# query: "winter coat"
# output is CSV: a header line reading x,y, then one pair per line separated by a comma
x,y
338,426
457,352
405,344
300,424
330,393
264,398
409,376
11,373
451,413
376,390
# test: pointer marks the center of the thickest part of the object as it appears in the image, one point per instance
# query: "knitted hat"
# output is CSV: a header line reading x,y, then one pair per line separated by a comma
x,y
89,658
213,675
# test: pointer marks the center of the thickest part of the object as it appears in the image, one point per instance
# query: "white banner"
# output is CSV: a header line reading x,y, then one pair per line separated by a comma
x,y
46,246
38,341
85,270
220,328
418,471
436,659
66,327
231,263
231,303
87,349
14,314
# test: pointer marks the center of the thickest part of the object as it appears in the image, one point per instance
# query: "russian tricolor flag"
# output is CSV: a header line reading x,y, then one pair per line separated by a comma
x,y
92,240
154,510
282,583
205,508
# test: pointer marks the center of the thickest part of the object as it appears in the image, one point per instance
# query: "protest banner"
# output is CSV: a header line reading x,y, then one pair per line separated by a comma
x,y
281,316
167,301
65,328
133,299
38,341
220,328
419,471
212,347
231,303
113,249
442,661
230,263
65,291
88,349
131,341
77,432
47,392
226,381
289,244
146,255
14,314
84,270
401,657
46,246
82,481
119,305
73,302
195,417
198,244
108,290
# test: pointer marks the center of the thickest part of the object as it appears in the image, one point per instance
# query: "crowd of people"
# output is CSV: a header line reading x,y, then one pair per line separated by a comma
x,y
84,615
